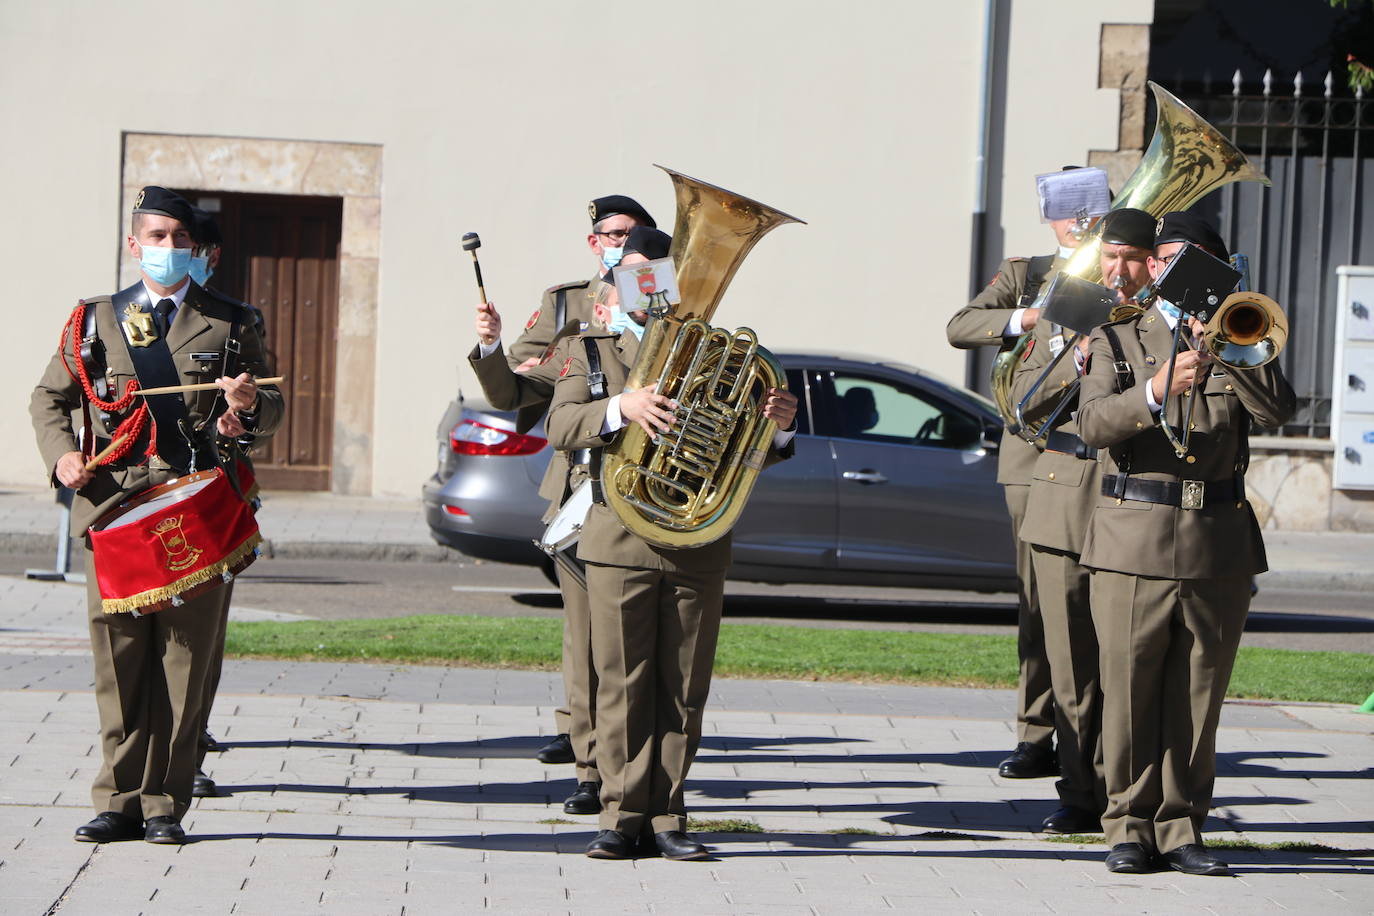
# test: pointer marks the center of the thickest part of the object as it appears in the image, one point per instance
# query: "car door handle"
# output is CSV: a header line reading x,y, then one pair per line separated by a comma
x,y
865,476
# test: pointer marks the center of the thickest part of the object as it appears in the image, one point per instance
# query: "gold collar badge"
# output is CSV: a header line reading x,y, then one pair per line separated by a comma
x,y
139,328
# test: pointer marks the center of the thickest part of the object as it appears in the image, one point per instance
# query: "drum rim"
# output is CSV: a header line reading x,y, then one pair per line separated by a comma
x,y
152,493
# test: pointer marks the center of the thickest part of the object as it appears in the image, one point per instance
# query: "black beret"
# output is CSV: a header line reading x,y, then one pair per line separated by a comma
x,y
1181,226
652,243
163,202
205,230
618,205
1129,226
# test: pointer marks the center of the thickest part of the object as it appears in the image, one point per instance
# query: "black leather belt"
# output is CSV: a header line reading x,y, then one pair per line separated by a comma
x,y
1069,444
1186,494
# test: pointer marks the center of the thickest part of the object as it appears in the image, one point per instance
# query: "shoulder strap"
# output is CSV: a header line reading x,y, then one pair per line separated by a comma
x,y
1125,375
560,308
1125,378
596,379
1035,275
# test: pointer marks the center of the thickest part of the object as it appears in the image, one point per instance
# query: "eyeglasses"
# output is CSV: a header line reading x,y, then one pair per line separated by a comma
x,y
618,235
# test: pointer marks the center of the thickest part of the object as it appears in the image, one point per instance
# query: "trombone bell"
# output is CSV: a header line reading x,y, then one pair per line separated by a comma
x,y
1248,330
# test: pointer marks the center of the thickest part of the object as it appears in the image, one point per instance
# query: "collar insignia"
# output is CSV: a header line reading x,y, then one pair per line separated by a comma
x,y
139,327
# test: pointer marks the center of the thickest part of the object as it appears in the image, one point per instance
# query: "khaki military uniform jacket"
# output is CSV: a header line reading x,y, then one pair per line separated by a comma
x,y
1064,487
575,421
1151,539
530,391
980,324
542,326
202,325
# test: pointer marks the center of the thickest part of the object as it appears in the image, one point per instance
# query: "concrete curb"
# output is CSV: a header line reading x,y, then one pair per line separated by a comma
x,y
1339,580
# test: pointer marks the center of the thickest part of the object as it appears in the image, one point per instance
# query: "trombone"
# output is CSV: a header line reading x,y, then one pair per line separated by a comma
x,y
1247,330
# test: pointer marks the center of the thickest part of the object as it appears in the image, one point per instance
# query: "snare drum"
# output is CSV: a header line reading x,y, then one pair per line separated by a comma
x,y
172,542
565,530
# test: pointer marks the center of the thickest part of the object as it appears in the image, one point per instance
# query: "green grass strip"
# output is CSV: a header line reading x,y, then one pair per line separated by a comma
x,y
747,650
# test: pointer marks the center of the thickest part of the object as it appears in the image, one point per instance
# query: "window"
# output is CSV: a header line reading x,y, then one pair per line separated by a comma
x,y
879,410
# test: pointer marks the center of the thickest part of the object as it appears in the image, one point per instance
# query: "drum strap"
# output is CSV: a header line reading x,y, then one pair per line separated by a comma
x,y
596,386
155,368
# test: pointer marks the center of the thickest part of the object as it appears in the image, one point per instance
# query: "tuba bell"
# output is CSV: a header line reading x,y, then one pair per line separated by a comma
x,y
1187,159
687,487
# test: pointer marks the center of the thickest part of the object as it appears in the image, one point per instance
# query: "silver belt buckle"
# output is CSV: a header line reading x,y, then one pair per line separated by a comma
x,y
1192,494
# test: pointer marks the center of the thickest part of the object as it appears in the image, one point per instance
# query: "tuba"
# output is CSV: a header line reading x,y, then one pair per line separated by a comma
x,y
1187,159
687,487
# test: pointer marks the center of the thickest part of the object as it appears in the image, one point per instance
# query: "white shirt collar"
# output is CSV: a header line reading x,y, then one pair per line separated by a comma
x,y
1169,319
1066,253
177,296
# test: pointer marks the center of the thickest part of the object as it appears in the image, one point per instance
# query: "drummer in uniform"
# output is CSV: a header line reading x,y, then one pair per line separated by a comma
x,y
530,391
612,218
1064,488
150,669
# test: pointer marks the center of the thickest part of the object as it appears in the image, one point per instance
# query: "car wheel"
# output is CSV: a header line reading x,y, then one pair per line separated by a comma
x,y
548,567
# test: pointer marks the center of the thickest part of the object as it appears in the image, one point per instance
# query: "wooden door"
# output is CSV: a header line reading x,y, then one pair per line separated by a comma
x,y
281,254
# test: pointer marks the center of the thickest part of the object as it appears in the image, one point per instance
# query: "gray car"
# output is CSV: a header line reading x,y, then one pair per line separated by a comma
x,y
893,483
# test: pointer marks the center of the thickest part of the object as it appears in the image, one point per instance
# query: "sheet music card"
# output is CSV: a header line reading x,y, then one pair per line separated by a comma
x,y
1073,194
646,283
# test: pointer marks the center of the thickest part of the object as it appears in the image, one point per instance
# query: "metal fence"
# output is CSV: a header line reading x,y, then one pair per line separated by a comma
x,y
1316,147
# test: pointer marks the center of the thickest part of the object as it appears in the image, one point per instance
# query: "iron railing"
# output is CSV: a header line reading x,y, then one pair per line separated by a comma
x,y
1316,148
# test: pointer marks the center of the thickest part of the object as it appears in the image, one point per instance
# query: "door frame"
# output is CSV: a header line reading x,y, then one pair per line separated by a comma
x,y
352,171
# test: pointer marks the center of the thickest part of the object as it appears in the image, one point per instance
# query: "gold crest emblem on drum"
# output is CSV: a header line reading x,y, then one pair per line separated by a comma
x,y
180,554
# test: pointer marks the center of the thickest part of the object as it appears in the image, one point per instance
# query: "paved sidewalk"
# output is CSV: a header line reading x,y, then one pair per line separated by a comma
x,y
306,525
377,789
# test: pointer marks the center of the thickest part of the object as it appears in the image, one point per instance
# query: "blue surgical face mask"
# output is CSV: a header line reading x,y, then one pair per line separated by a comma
x,y
201,270
622,322
1169,309
165,266
611,256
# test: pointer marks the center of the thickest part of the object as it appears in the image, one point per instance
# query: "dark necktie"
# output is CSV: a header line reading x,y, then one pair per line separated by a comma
x,y
164,310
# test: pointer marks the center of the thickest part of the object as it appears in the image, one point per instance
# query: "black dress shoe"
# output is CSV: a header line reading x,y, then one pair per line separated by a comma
x,y
1029,761
209,742
559,750
1128,859
586,800
678,846
1194,859
610,844
109,826
1072,820
164,829
203,786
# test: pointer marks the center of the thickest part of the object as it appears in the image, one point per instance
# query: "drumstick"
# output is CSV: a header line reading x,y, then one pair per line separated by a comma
x,y
471,243
204,386
105,452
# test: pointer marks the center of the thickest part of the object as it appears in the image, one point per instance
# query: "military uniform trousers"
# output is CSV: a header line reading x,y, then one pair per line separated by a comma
x,y
1071,647
151,674
578,719
1167,647
1034,689
654,635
